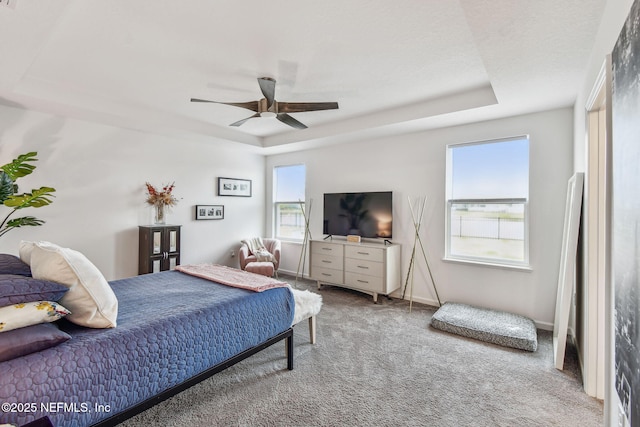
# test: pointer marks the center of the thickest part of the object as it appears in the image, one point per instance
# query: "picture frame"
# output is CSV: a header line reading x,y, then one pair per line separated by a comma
x,y
234,187
209,212
573,207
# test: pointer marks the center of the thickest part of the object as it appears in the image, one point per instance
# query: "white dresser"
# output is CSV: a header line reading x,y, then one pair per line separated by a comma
x,y
373,268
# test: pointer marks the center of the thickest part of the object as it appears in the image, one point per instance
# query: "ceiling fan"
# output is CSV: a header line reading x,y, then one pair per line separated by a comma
x,y
269,107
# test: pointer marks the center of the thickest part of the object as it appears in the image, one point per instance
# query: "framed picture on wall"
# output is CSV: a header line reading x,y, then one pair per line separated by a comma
x,y
209,211
234,187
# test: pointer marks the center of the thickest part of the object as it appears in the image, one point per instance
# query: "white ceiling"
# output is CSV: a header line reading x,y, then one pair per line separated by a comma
x,y
393,67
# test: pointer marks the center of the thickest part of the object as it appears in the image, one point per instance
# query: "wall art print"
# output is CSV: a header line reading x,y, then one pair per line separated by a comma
x,y
209,212
234,187
626,216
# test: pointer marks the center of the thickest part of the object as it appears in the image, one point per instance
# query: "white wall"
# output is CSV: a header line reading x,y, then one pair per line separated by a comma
x,y
613,18
414,165
99,174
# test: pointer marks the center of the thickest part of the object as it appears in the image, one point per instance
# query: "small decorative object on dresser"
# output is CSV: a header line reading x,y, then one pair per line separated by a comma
x,y
234,187
209,212
159,248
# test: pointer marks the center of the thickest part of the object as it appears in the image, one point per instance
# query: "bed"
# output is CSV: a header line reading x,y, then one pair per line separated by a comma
x,y
173,330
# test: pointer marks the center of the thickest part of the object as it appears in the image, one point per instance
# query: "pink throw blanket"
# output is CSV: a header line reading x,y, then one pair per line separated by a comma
x,y
232,277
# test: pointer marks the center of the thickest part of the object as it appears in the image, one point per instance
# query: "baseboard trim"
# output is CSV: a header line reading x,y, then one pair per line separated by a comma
x,y
291,273
426,301
546,326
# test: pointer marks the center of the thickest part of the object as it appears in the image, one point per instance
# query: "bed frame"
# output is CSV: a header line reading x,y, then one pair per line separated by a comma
x,y
143,406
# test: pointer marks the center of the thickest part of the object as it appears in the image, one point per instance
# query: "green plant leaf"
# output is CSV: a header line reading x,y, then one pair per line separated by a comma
x,y
36,199
24,222
19,167
6,186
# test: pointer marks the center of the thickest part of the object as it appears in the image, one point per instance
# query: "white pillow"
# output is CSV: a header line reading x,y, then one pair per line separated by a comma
x,y
30,313
90,298
24,250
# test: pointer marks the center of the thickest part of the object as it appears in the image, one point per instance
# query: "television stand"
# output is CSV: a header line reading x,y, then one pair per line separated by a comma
x,y
372,268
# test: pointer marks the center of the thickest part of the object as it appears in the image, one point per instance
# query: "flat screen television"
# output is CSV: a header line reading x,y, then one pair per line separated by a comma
x,y
368,214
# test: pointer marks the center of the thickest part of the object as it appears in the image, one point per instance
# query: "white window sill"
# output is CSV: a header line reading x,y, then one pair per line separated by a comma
x,y
520,267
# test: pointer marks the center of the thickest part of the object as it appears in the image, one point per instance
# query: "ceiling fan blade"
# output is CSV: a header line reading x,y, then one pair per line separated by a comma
x,y
299,107
251,105
287,119
268,88
241,122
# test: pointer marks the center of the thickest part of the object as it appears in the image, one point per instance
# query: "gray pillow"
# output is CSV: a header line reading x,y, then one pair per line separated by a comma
x,y
22,341
11,264
16,289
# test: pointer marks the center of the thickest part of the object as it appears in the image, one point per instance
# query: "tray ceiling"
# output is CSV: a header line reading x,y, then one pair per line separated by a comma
x,y
392,66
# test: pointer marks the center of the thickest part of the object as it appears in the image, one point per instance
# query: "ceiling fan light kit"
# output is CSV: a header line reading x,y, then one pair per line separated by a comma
x,y
269,107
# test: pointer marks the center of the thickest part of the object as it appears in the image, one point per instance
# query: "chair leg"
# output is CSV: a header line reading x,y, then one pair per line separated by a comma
x,y
312,329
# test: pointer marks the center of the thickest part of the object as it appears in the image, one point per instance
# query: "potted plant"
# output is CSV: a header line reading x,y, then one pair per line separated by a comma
x,y
9,197
160,199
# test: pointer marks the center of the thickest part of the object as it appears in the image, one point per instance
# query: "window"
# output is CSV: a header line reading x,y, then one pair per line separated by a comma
x,y
487,201
288,201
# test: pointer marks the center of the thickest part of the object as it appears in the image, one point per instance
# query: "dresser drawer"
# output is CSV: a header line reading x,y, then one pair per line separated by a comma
x,y
364,282
365,253
328,261
326,275
366,267
360,266
327,249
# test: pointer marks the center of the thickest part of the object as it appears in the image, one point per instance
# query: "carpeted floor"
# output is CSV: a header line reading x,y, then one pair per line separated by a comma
x,y
379,365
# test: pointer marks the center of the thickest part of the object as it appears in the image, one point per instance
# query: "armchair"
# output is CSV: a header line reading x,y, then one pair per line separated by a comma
x,y
249,261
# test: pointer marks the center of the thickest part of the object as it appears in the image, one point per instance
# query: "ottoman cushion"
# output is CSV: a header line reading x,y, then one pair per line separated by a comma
x,y
264,268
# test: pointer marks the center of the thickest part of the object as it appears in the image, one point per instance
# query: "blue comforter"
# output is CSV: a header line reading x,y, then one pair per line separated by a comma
x,y
171,327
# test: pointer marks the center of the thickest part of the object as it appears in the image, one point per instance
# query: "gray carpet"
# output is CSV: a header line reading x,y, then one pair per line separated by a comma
x,y
379,365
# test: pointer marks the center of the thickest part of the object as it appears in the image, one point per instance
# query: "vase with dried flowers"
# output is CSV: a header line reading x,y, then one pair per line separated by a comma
x,y
160,199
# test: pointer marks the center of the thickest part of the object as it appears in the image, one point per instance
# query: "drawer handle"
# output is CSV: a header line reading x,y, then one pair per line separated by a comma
x,y
363,267
363,281
326,274
327,262
327,249
363,253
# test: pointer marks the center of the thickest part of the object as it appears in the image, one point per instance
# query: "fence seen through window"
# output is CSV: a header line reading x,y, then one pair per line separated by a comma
x,y
289,220
488,230
487,201
288,201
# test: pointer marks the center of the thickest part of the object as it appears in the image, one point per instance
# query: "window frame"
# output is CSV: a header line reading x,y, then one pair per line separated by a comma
x,y
275,204
449,202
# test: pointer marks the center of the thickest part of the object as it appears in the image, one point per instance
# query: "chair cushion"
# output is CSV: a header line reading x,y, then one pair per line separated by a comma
x,y
264,268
